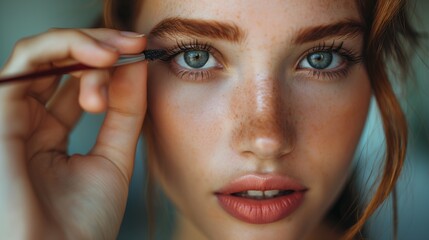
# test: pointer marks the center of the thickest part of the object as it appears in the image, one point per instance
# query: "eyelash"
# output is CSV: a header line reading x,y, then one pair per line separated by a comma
x,y
181,47
349,58
186,46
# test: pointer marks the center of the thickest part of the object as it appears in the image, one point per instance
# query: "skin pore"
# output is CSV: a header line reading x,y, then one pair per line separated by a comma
x,y
257,108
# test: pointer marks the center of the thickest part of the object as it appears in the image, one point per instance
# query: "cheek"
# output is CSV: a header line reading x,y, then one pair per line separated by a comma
x,y
186,126
330,123
183,112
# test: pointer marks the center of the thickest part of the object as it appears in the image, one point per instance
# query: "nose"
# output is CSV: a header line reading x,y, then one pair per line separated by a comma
x,y
263,125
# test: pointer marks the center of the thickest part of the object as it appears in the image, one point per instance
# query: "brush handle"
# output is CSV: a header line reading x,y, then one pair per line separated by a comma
x,y
122,60
45,73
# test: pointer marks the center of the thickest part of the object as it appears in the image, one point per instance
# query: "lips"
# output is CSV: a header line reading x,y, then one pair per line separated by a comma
x,y
261,199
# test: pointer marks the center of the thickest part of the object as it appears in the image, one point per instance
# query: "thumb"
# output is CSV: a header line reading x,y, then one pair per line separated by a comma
x,y
126,110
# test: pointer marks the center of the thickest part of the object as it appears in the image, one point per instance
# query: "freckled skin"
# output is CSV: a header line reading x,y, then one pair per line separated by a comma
x,y
263,126
260,115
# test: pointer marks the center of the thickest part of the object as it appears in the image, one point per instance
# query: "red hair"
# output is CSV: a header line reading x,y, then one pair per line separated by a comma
x,y
388,30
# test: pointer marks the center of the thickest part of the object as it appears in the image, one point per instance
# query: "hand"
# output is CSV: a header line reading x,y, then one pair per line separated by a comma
x,y
44,193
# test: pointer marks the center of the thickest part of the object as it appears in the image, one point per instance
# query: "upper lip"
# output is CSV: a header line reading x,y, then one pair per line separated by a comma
x,y
261,183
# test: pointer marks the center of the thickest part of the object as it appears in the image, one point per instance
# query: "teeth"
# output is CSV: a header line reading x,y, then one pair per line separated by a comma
x,y
271,193
260,194
255,193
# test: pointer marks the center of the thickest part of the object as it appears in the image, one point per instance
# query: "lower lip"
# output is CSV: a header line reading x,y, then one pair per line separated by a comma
x,y
261,211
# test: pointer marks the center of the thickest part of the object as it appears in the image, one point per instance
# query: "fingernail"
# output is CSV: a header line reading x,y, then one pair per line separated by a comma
x,y
132,34
108,47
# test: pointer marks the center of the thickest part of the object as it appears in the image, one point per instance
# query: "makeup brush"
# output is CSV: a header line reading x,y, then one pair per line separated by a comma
x,y
150,54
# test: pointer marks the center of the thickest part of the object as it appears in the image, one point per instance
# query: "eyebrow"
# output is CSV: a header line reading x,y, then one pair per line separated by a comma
x,y
171,27
348,28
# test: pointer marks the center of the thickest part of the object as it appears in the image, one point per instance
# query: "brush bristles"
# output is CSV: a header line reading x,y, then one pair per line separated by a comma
x,y
153,54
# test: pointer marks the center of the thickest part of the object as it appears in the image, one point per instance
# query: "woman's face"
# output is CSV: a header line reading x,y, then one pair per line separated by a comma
x,y
255,116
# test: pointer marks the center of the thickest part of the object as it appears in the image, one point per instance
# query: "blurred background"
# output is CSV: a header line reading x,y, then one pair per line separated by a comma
x,y
21,18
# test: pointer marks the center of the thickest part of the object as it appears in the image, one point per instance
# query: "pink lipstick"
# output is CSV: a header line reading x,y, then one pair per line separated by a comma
x,y
261,199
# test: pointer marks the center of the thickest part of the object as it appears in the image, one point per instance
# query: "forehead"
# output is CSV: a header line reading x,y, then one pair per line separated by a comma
x,y
253,16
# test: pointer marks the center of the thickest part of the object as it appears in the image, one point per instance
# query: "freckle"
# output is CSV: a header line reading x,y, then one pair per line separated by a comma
x,y
273,119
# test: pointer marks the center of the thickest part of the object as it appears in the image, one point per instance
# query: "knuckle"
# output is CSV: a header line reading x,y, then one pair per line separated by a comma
x,y
109,30
22,45
61,33
102,33
65,33
100,30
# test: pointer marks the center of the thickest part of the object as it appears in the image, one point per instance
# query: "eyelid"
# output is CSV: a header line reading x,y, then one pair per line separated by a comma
x,y
193,75
210,60
183,46
350,58
186,46
342,51
336,58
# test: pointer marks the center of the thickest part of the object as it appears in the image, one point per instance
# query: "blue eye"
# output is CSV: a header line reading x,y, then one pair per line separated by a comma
x,y
195,59
322,60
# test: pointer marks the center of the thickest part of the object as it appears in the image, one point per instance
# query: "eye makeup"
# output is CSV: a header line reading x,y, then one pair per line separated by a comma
x,y
344,58
175,55
325,61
